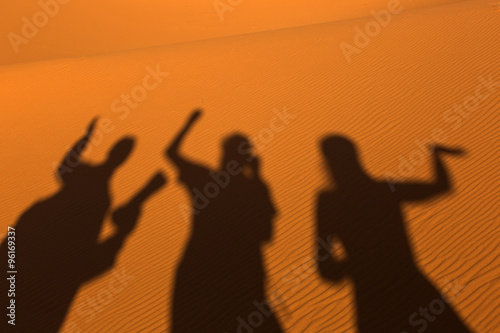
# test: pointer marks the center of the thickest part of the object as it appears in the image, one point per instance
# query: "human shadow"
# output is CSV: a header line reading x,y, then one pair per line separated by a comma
x,y
56,240
219,285
364,216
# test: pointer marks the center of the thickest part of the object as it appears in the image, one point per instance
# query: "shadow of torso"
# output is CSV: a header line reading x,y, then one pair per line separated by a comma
x,y
54,239
389,287
221,273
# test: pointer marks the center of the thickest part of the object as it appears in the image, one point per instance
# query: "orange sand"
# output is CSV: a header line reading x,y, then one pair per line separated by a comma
x,y
79,28
397,90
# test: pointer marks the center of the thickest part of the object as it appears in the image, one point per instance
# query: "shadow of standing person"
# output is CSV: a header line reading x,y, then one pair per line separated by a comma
x,y
364,215
219,285
56,240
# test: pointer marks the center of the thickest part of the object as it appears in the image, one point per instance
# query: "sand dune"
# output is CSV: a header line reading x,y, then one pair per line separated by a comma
x,y
50,29
396,94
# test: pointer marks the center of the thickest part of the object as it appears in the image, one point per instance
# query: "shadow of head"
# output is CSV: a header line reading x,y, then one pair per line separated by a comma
x,y
120,152
342,157
237,148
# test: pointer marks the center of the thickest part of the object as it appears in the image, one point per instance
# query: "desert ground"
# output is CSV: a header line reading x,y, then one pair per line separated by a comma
x,y
429,74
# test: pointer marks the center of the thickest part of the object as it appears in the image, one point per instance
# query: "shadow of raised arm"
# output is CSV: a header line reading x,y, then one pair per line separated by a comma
x,y
66,165
173,151
125,218
441,184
